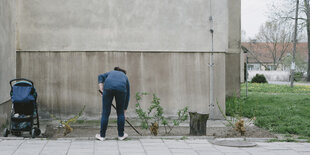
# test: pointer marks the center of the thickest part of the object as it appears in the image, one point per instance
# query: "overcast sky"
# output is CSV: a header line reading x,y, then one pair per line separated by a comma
x,y
253,14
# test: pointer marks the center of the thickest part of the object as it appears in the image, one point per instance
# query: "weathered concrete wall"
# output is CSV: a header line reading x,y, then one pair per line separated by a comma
x,y
64,44
65,81
233,54
242,66
121,25
232,74
7,53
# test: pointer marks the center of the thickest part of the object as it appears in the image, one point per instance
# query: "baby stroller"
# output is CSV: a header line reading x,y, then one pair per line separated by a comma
x,y
24,109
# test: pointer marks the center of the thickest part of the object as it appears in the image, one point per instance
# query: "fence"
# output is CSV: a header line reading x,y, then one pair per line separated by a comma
x,y
271,75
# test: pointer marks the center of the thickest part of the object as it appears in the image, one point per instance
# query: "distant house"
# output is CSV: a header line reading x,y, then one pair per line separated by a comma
x,y
261,56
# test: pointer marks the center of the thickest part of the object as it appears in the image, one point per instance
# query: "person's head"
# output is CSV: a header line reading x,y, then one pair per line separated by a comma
x,y
120,69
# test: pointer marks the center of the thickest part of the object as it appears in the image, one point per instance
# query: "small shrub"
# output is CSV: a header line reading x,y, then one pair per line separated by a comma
x,y
234,108
298,76
152,118
259,78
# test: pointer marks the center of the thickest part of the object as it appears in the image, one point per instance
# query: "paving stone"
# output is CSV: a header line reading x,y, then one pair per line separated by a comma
x,y
212,149
55,152
237,153
132,150
80,151
183,151
151,140
262,153
145,146
6,152
174,144
178,153
25,153
306,144
59,141
35,141
28,150
33,147
304,149
105,145
203,152
153,144
107,153
158,153
154,148
197,141
129,142
201,146
8,147
272,146
115,151
12,142
132,153
55,147
284,152
227,149
299,147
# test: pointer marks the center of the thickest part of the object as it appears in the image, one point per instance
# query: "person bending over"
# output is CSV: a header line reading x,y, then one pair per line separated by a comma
x,y
114,84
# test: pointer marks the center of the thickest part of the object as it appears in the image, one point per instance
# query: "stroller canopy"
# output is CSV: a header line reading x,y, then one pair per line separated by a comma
x,y
23,92
23,96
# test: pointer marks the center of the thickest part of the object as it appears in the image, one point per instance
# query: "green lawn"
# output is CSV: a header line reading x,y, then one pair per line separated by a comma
x,y
277,108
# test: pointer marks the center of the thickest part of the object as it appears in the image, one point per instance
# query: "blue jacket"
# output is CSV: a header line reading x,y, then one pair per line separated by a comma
x,y
116,80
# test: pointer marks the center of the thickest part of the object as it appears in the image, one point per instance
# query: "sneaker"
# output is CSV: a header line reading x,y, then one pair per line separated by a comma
x,y
99,137
124,137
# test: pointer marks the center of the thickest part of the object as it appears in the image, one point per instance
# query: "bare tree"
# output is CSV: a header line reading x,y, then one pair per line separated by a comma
x,y
284,11
276,39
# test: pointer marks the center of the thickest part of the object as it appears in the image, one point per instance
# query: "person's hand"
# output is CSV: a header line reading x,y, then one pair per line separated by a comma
x,y
101,88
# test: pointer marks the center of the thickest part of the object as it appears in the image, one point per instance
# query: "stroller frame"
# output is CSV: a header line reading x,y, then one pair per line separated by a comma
x,y
34,131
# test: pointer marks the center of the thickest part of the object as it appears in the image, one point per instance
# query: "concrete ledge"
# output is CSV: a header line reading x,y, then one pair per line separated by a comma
x,y
129,51
5,110
209,138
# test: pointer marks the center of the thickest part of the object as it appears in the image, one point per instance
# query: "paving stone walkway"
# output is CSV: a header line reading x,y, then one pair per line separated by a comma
x,y
142,147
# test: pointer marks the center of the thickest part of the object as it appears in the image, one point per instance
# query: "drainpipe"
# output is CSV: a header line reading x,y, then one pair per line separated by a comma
x,y
211,65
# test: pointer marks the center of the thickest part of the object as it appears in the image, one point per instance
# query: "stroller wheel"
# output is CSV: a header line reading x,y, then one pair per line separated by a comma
x,y
33,133
6,132
37,131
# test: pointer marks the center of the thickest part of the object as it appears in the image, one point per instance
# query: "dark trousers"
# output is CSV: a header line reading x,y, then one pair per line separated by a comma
x,y
107,98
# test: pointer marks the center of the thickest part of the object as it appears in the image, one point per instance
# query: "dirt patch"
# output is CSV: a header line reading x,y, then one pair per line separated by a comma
x,y
217,132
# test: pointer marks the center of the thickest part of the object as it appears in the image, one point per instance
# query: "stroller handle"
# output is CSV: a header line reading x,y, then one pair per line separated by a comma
x,y
20,79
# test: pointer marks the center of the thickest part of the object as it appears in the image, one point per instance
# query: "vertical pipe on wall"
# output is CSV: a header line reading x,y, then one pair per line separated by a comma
x,y
211,105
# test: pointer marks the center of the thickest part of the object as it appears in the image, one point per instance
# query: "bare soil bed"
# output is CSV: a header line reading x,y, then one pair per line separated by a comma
x,y
217,132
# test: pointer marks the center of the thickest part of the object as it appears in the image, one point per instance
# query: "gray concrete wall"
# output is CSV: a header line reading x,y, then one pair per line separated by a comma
x,y
7,53
242,66
65,81
64,44
233,66
121,25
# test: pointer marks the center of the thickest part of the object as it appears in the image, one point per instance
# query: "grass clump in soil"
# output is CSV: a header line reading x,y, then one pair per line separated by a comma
x,y
277,108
